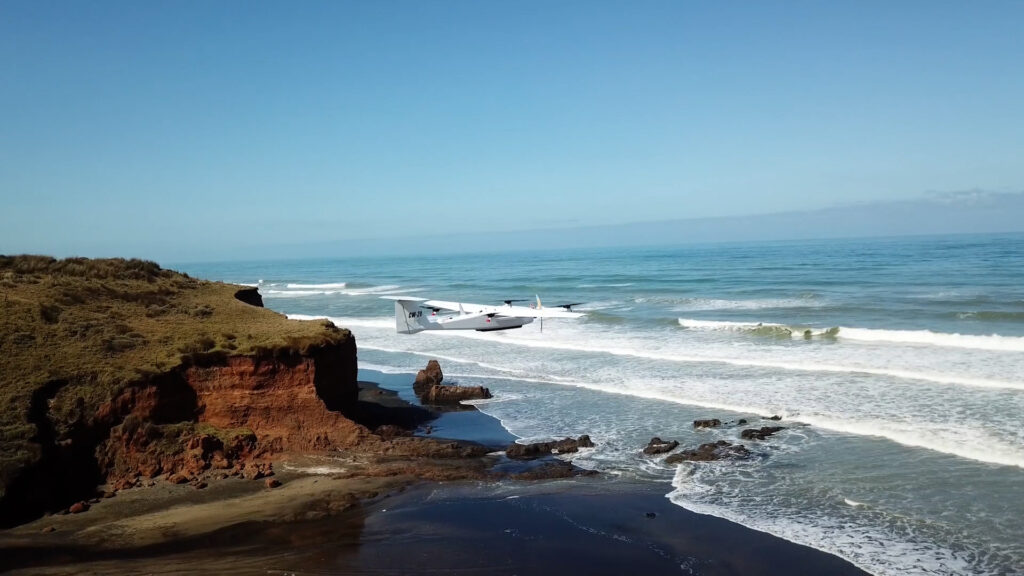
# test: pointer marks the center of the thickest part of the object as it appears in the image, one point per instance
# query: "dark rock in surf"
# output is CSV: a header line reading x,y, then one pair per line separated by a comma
x,y
429,389
443,394
776,417
709,423
538,449
428,377
721,450
760,434
659,446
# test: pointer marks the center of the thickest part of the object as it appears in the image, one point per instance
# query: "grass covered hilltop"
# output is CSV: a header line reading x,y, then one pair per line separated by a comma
x,y
75,333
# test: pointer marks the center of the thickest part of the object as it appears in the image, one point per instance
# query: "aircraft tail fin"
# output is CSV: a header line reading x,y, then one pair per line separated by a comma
x,y
409,317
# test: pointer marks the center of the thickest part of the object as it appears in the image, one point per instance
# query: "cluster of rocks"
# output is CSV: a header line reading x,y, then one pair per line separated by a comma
x,y
429,389
760,434
134,459
710,451
539,449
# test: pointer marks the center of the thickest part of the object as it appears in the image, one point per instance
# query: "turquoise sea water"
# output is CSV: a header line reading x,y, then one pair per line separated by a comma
x,y
896,364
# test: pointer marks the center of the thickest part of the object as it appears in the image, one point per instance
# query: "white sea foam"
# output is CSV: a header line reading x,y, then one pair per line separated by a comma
x,y
768,328
722,324
385,289
927,337
299,293
303,290
640,351
868,547
317,286
964,443
969,443
695,304
383,368
348,322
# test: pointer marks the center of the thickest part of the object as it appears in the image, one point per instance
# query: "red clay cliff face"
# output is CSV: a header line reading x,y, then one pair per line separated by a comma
x,y
278,401
232,416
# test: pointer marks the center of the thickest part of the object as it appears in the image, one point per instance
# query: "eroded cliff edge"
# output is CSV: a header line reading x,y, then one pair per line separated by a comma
x,y
119,371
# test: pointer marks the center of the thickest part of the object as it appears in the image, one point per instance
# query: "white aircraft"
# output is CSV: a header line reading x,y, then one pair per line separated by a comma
x,y
414,315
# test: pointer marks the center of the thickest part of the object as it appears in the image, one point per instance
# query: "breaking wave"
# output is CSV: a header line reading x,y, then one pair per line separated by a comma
x,y
993,342
927,337
317,286
760,328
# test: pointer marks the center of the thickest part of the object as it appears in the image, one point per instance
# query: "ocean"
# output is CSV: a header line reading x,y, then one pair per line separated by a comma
x,y
896,364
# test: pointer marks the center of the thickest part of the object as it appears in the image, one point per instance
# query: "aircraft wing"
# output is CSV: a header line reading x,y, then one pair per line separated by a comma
x,y
467,307
527,312
504,311
403,298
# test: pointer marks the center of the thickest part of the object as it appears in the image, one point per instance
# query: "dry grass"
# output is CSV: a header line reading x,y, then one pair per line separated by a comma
x,y
102,325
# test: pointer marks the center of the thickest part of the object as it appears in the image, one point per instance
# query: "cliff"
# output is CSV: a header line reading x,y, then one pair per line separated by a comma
x,y
119,371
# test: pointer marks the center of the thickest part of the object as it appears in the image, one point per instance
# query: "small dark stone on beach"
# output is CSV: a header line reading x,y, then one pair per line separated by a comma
x,y
49,529
200,485
273,482
764,432
78,508
109,494
651,515
390,431
709,423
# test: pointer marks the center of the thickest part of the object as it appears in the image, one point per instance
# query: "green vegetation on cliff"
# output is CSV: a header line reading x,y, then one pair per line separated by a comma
x,y
76,332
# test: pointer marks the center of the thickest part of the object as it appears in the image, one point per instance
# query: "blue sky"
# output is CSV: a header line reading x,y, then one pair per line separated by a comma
x,y
178,129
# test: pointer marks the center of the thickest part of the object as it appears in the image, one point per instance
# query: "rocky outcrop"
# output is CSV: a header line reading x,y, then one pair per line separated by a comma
x,y
429,376
429,389
539,449
709,423
710,451
760,434
231,416
454,394
250,296
659,446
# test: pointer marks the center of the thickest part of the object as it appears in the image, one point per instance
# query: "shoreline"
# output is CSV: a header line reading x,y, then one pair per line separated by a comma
x,y
352,524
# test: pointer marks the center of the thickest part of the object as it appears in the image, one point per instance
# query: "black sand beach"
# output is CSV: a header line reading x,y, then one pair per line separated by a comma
x,y
592,525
